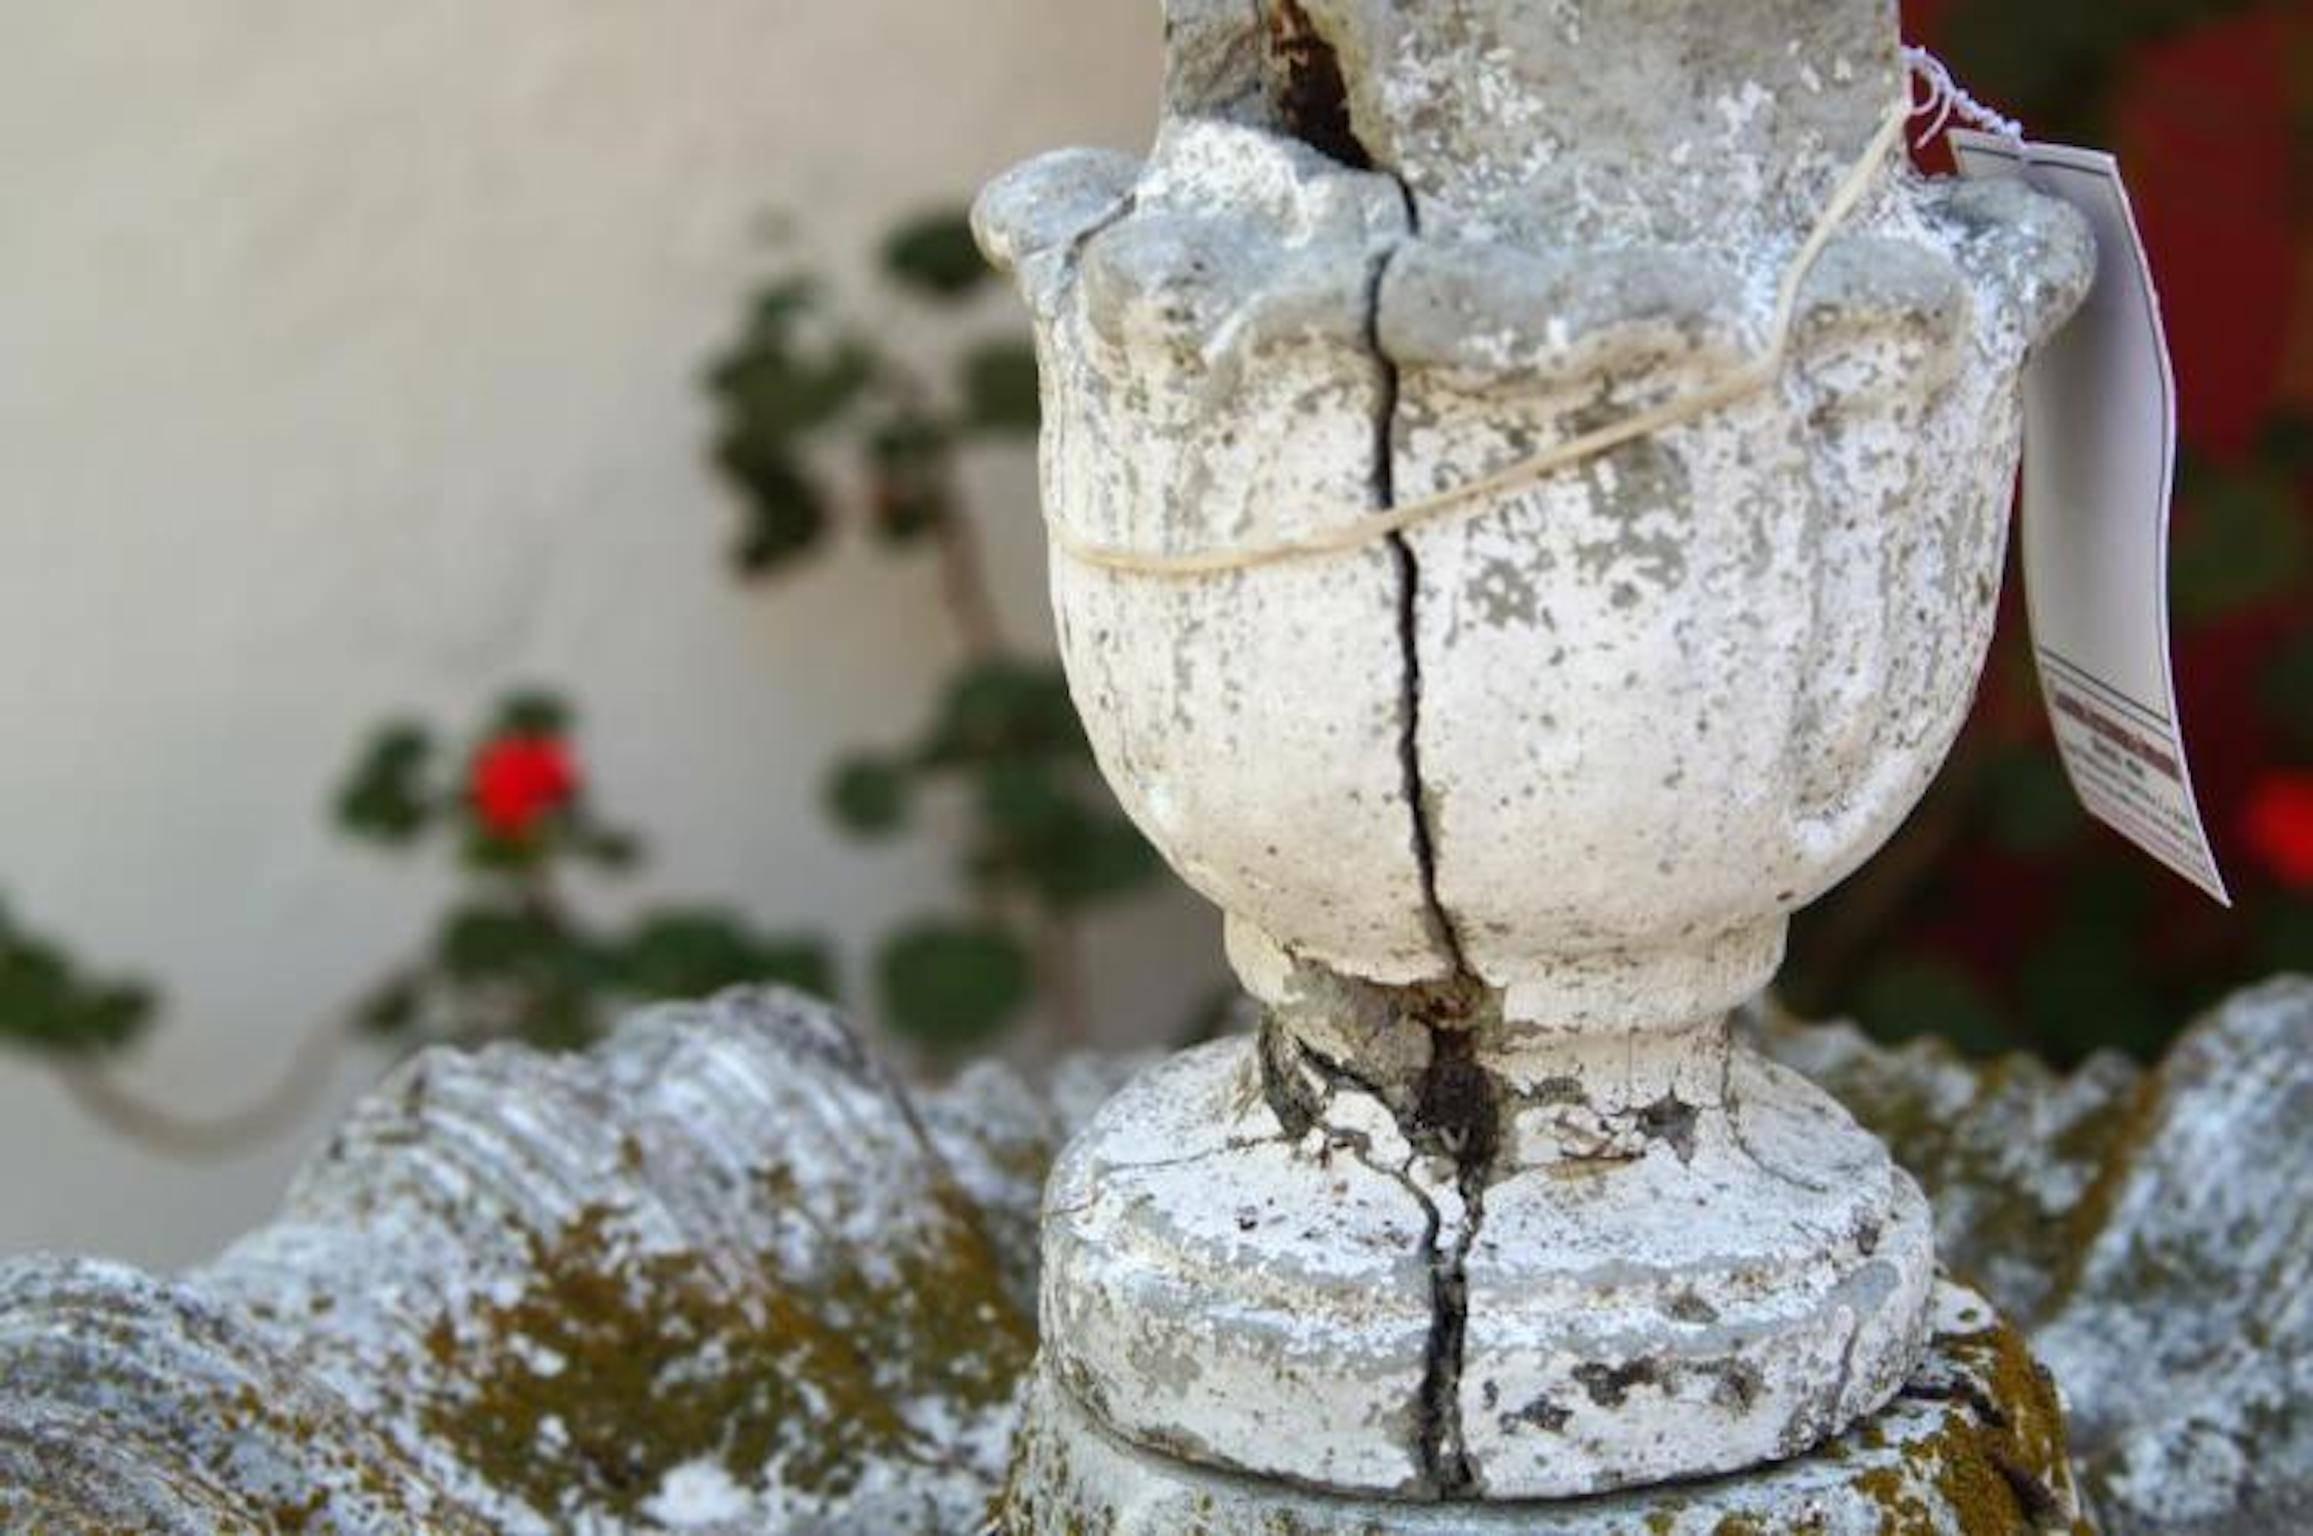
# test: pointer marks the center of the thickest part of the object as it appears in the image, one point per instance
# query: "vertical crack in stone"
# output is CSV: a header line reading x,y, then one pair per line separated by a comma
x,y
1454,1113
1449,1115
1456,1110
1457,1113
1435,918
1305,85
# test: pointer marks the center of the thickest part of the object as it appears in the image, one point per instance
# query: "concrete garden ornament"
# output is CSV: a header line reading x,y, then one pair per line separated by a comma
x,y
1528,482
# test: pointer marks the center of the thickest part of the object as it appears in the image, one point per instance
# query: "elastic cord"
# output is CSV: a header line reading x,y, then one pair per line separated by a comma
x,y
1372,525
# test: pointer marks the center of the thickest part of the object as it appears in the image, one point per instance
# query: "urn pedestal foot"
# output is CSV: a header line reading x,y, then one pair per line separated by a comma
x,y
1469,1262
1972,1445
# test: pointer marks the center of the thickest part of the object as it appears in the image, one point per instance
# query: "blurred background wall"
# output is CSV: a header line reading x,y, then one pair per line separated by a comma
x,y
347,365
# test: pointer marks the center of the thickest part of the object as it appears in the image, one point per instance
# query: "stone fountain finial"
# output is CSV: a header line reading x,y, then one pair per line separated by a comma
x,y
1508,783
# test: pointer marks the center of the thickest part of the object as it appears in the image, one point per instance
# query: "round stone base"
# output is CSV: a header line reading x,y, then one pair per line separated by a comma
x,y
1973,1445
1672,1262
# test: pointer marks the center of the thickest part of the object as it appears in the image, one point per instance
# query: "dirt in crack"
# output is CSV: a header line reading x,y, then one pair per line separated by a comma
x,y
1456,1116
1306,88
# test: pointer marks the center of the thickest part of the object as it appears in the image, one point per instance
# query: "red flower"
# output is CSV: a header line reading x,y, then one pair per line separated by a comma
x,y
2278,826
517,780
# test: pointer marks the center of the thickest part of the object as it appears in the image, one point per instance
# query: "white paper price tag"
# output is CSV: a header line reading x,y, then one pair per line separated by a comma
x,y
2099,465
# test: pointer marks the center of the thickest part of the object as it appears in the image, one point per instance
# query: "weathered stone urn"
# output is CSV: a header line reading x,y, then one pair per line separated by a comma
x,y
1508,783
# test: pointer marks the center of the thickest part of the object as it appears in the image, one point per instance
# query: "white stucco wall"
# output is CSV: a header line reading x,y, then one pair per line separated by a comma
x,y
346,366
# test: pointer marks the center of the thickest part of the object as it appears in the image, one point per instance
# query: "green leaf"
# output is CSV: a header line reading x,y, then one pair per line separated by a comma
x,y
934,254
2285,934
786,512
391,1008
1023,799
2054,65
557,1017
514,968
999,388
690,952
2029,803
2081,990
783,378
1004,708
2287,441
950,985
611,848
48,1005
795,395
489,939
2286,689
1103,858
772,317
868,796
532,712
1924,995
2238,543
485,852
1042,832
384,796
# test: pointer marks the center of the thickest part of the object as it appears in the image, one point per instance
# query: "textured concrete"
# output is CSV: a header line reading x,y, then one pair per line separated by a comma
x,y
1252,1261
2186,1332
1974,1446
646,1291
1709,670
711,1272
2150,1229
1508,806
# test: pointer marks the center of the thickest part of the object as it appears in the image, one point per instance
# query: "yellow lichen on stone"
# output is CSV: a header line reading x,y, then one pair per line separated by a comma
x,y
1902,1511
615,1365
2014,1467
1996,1465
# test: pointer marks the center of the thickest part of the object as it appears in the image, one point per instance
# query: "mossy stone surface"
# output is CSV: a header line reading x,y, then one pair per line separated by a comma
x,y
724,1273
2152,1231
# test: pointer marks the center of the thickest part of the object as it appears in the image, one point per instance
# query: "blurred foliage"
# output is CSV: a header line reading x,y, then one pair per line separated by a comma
x,y
2001,916
958,982
808,404
799,380
2060,63
48,1004
510,958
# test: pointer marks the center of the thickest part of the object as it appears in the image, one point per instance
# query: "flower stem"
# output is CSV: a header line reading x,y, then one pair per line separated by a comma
x,y
105,1099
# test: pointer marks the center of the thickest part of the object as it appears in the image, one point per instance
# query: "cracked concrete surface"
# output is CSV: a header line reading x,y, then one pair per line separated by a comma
x,y
1447,1118
1452,1118
1507,810
1636,712
1972,1446
1403,1272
